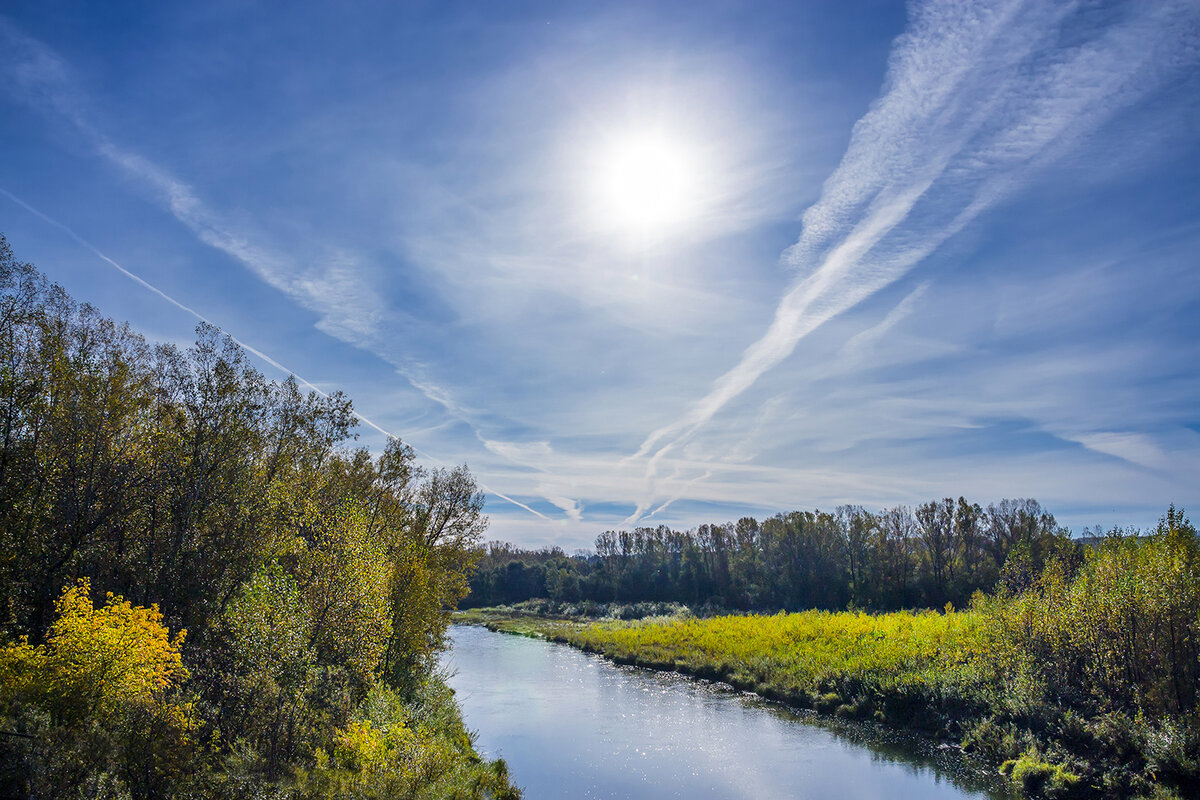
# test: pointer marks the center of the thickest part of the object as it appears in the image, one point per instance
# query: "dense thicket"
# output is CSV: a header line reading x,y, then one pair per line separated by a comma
x,y
899,558
203,591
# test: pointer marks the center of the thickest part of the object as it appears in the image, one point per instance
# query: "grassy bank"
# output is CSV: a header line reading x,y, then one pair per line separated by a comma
x,y
417,748
542,618
942,673
502,620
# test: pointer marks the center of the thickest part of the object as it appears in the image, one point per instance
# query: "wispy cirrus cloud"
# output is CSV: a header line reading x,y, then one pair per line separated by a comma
x,y
977,98
863,340
573,510
330,285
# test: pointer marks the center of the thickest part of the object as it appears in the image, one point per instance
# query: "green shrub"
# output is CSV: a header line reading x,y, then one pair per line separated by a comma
x,y
1039,777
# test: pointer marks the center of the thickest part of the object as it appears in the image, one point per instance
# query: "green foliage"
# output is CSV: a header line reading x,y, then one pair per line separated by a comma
x,y
396,749
1038,777
1121,632
307,574
898,558
270,629
345,576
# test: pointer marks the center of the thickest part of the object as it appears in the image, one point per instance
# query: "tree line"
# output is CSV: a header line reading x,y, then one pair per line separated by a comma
x,y
940,552
205,590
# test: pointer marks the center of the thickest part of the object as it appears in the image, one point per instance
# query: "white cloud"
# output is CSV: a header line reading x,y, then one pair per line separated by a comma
x,y
331,287
1132,447
862,341
977,97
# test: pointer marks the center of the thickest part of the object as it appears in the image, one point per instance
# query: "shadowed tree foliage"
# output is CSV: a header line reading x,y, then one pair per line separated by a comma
x,y
940,553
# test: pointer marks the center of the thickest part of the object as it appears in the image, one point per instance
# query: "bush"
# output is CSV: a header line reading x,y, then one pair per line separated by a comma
x,y
98,701
1038,777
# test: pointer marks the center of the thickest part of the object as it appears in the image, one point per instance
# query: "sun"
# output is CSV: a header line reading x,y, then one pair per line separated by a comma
x,y
646,184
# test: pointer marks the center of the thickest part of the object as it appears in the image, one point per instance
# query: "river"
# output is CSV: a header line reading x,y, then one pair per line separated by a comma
x,y
572,725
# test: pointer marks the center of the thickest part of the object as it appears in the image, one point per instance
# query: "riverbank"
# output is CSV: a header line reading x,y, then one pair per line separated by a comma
x,y
540,618
939,673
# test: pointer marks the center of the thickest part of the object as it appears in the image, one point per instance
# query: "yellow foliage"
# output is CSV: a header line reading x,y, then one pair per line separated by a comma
x,y
361,747
111,655
97,661
21,665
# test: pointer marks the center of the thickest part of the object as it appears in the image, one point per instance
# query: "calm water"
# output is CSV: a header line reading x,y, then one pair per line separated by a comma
x,y
571,725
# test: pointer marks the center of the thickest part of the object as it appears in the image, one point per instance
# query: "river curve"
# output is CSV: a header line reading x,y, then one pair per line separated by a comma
x,y
572,725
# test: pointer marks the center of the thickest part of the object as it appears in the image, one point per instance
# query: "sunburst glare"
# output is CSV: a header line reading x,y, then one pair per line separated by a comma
x,y
646,185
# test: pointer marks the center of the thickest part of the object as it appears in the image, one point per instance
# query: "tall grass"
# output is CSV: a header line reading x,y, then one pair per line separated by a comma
x,y
800,657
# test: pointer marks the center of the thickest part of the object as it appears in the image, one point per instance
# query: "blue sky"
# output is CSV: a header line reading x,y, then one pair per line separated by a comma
x,y
643,263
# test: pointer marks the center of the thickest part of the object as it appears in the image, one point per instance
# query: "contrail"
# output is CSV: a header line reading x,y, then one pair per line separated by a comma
x,y
978,97
337,296
247,347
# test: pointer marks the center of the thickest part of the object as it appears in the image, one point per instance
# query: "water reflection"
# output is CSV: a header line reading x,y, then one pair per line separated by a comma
x,y
572,725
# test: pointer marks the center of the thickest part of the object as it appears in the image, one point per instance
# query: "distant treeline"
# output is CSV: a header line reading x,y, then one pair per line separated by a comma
x,y
941,552
204,592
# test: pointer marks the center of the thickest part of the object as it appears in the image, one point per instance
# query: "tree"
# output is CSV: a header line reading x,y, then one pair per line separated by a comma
x,y
857,525
894,556
975,572
936,524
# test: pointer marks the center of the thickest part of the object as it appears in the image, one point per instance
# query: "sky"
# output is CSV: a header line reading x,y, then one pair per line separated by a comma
x,y
652,263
